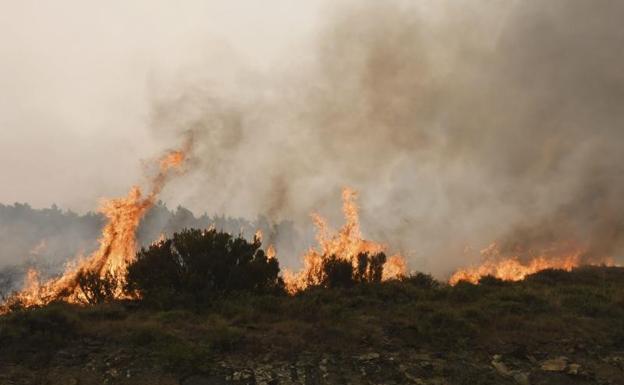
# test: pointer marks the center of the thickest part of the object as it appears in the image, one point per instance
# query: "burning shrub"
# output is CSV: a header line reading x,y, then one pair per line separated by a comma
x,y
370,267
197,265
97,289
6,285
337,272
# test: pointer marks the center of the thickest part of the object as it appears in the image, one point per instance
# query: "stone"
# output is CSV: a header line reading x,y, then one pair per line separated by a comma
x,y
369,356
203,380
501,368
558,364
521,378
574,369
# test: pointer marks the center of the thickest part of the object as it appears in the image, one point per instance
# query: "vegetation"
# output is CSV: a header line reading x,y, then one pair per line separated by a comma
x,y
97,289
548,314
199,265
210,300
31,236
337,272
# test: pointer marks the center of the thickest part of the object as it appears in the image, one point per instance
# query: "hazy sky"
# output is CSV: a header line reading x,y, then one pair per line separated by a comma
x,y
460,122
75,81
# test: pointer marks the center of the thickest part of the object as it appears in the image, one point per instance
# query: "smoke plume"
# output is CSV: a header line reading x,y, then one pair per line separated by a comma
x,y
459,123
458,127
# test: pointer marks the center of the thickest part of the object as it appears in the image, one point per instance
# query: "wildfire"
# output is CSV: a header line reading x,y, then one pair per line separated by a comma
x,y
346,244
512,268
117,243
270,252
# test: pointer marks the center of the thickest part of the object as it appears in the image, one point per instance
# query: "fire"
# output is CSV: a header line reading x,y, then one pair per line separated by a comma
x,y
270,252
346,244
117,244
562,256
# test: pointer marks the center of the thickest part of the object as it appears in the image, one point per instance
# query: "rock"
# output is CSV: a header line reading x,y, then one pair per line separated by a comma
x,y
521,378
574,369
369,356
203,380
558,364
501,368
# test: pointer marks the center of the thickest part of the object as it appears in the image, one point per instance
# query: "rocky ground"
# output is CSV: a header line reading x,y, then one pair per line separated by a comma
x,y
88,364
548,331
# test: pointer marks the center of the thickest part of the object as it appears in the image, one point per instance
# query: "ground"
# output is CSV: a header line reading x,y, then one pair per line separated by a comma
x,y
553,328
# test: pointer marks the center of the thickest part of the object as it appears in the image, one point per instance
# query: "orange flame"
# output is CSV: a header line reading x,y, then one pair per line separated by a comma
x,y
563,256
346,244
117,244
270,252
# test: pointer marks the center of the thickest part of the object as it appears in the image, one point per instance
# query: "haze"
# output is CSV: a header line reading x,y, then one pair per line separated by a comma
x,y
460,123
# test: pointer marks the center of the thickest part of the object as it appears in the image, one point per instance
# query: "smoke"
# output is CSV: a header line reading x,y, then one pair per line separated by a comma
x,y
458,127
459,122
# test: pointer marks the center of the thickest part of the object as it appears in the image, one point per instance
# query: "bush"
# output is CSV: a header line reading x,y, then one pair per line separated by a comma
x,y
423,281
337,273
490,280
550,277
370,267
197,265
96,289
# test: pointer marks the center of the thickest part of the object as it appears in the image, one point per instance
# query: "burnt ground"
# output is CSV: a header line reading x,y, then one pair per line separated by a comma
x,y
553,328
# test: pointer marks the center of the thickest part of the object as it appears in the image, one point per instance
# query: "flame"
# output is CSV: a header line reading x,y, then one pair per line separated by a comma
x,y
564,256
161,238
270,252
346,244
117,244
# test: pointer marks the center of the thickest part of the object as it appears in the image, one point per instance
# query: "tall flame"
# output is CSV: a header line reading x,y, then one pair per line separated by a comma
x,y
345,244
564,256
118,244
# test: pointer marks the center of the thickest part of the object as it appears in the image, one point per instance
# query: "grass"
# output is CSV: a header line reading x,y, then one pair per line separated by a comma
x,y
585,305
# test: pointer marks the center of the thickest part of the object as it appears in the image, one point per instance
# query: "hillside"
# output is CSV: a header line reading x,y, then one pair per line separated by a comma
x,y
555,327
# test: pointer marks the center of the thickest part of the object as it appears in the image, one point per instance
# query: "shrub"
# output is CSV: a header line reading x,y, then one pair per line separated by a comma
x,y
97,289
337,273
423,281
490,280
370,267
197,265
550,277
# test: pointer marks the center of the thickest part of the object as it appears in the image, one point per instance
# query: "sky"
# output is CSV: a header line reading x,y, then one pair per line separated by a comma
x,y
460,123
75,81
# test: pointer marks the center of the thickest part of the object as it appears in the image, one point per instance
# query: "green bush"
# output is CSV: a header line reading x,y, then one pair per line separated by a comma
x,y
195,266
422,280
